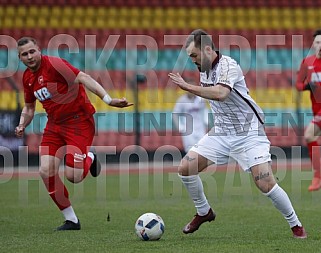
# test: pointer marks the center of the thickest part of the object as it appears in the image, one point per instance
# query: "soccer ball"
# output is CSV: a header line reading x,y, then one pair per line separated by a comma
x,y
149,227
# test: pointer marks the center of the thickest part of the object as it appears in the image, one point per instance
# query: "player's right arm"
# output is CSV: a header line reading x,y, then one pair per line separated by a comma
x,y
302,78
97,89
26,117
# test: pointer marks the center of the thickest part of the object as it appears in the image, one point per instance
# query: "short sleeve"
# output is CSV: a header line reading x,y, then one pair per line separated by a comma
x,y
29,97
64,69
229,72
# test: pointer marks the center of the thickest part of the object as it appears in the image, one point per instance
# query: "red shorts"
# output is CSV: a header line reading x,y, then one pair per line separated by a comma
x,y
72,138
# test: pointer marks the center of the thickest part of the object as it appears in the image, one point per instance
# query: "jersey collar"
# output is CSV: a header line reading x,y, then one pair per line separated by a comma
x,y
214,63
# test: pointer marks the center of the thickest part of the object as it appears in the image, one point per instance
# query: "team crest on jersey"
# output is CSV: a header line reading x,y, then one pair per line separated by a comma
x,y
40,80
213,77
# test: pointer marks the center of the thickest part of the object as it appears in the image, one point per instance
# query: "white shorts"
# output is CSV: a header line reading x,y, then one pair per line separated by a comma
x,y
247,150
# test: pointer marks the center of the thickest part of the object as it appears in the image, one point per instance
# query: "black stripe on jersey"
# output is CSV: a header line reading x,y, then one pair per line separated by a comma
x,y
249,103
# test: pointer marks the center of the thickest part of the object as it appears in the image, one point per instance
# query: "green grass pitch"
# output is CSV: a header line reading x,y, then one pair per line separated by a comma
x,y
246,220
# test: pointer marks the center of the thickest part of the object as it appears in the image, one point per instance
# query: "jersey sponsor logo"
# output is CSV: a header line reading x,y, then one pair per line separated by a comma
x,y
79,157
29,84
42,94
316,77
310,67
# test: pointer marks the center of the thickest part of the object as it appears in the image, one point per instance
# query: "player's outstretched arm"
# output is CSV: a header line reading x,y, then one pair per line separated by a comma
x,y
26,117
217,92
92,85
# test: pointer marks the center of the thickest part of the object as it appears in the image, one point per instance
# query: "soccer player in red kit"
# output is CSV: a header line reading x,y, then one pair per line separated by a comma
x,y
70,129
309,78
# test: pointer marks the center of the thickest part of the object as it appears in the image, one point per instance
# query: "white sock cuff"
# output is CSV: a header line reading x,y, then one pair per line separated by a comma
x,y
91,155
188,178
274,188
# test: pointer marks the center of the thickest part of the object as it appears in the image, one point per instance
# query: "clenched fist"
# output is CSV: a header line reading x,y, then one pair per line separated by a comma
x,y
19,131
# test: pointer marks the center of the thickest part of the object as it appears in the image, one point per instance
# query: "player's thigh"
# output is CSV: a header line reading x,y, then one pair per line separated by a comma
x,y
78,140
52,142
251,150
51,152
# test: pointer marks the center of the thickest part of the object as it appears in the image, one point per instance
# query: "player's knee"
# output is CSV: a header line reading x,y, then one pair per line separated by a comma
x,y
309,135
309,138
266,185
182,170
44,172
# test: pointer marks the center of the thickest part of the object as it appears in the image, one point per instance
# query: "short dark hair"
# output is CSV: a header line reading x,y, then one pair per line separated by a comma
x,y
316,33
200,39
25,40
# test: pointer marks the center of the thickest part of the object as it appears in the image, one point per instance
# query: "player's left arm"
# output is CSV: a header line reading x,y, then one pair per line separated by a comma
x,y
92,85
218,92
229,73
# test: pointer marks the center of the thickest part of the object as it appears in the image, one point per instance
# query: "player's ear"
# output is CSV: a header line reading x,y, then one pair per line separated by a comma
x,y
208,50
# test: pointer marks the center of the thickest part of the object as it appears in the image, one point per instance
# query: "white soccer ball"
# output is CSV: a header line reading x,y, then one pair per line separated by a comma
x,y
149,227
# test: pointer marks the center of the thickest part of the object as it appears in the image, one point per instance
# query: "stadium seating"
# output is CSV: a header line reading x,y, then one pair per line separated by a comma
x,y
269,67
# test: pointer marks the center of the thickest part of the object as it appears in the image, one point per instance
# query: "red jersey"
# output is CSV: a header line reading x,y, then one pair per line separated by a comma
x,y
53,85
310,71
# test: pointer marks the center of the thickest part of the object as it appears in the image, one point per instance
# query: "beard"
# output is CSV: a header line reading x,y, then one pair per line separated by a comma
x,y
205,65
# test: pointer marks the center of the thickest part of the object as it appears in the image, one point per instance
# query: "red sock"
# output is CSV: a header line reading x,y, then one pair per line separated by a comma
x,y
87,164
315,156
57,191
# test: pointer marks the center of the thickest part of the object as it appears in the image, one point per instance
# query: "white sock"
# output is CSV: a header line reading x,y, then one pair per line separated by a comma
x,y
195,189
282,202
69,214
91,155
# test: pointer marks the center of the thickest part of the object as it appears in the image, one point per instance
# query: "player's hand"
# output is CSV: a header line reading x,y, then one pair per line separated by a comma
x,y
311,86
120,102
177,79
19,131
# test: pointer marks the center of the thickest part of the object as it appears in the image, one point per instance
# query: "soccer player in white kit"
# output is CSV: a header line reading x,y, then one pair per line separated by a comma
x,y
238,132
190,116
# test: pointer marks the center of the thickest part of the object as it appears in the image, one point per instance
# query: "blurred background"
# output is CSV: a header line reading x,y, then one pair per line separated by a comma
x,y
268,38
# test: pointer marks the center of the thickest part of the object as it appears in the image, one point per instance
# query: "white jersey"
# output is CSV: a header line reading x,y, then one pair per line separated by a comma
x,y
238,113
193,120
